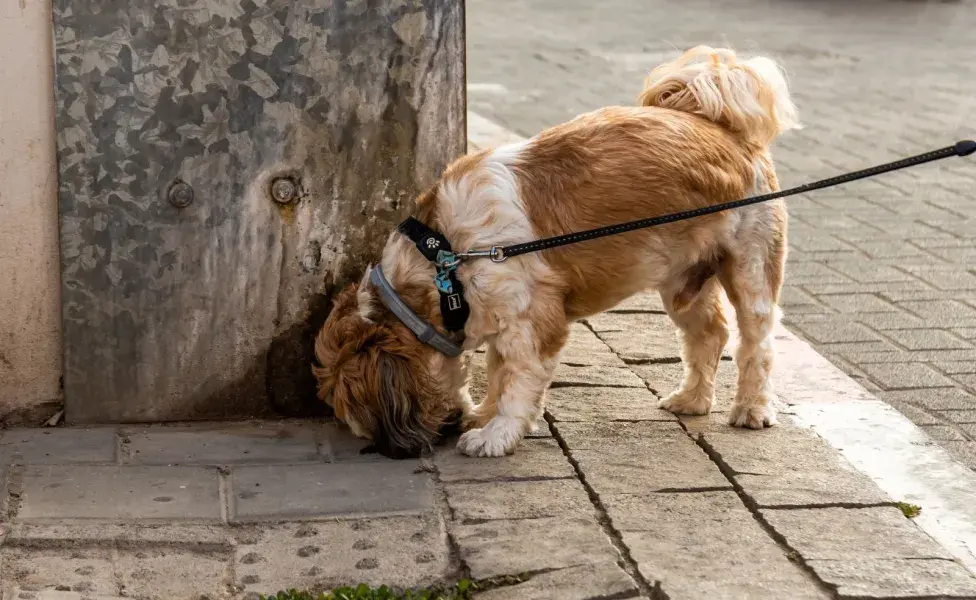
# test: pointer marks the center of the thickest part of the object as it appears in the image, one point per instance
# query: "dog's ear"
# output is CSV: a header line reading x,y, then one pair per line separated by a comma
x,y
405,388
339,340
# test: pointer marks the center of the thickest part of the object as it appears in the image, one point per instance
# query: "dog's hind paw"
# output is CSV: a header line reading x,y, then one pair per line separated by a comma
x,y
686,402
752,415
498,438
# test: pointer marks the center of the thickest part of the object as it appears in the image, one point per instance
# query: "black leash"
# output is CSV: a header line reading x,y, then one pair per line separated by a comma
x,y
501,253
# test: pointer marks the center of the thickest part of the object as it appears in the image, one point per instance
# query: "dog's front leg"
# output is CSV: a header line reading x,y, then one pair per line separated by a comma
x,y
477,416
517,380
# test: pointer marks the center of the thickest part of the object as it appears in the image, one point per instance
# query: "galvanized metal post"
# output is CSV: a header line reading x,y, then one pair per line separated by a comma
x,y
224,165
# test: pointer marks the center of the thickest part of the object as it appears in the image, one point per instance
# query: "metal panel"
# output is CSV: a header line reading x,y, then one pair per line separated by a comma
x,y
188,291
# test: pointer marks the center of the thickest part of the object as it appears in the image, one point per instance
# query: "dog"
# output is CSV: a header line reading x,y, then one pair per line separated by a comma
x,y
699,135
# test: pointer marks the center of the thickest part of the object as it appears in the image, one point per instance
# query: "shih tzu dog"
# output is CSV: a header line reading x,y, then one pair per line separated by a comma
x,y
395,371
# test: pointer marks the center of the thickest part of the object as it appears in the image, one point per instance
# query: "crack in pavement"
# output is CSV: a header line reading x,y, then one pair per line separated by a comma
x,y
450,516
815,505
555,385
504,581
753,507
514,479
694,490
626,561
725,469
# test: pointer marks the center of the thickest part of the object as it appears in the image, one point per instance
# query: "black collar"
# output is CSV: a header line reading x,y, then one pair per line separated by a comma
x,y
436,249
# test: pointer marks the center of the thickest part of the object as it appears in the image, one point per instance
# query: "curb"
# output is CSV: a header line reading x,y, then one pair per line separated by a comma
x,y
875,438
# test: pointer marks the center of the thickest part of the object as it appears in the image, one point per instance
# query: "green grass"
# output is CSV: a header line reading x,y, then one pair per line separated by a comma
x,y
460,591
909,510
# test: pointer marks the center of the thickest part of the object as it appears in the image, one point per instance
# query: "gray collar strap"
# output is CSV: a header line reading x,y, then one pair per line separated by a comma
x,y
426,332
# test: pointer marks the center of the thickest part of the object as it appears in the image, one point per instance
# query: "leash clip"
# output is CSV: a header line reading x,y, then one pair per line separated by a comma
x,y
496,254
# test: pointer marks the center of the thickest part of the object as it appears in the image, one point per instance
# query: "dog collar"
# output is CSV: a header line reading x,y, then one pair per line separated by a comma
x,y
436,249
424,331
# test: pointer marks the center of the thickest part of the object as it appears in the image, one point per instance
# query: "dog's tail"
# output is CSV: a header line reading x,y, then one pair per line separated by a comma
x,y
748,97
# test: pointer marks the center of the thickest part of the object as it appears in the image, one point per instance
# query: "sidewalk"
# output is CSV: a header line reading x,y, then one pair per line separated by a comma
x,y
612,498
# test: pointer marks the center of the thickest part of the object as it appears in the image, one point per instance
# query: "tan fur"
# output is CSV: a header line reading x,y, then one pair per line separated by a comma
x,y
699,138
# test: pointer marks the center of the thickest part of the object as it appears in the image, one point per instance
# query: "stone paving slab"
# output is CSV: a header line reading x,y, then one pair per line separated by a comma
x,y
637,458
936,399
583,582
472,502
496,548
409,550
785,465
161,574
645,323
88,572
853,534
120,493
338,444
60,445
68,533
887,579
637,347
534,459
702,545
19,593
648,302
304,491
639,336
667,377
598,405
596,376
585,348
223,446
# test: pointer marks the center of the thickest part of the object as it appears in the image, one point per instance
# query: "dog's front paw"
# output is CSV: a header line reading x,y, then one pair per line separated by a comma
x,y
498,438
752,415
686,402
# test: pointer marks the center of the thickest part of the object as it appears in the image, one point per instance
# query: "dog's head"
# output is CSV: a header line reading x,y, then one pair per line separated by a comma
x,y
384,383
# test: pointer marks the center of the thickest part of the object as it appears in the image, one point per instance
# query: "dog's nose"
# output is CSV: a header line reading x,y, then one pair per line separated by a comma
x,y
391,451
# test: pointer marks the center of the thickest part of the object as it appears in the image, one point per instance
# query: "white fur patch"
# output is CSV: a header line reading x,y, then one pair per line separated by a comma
x,y
486,210
762,306
364,297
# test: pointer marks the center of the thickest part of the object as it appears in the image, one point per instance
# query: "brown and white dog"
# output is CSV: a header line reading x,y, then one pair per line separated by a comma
x,y
699,137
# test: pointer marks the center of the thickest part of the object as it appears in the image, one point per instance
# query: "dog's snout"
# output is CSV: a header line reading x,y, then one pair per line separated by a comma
x,y
392,451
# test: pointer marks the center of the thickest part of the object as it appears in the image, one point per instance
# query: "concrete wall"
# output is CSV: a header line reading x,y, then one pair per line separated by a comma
x,y
30,338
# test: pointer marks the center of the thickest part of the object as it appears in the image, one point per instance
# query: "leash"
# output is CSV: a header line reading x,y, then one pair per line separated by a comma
x,y
455,310
502,253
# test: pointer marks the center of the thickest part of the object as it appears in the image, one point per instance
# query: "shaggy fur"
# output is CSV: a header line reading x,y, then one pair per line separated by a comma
x,y
700,136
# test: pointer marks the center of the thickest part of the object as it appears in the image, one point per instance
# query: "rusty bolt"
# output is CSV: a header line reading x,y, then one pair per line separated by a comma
x,y
180,194
283,190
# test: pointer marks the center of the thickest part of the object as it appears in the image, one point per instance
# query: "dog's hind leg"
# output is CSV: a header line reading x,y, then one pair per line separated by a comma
x,y
694,304
752,275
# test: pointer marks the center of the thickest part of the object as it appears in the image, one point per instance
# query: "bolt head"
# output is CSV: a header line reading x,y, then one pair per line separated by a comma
x,y
284,190
180,194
